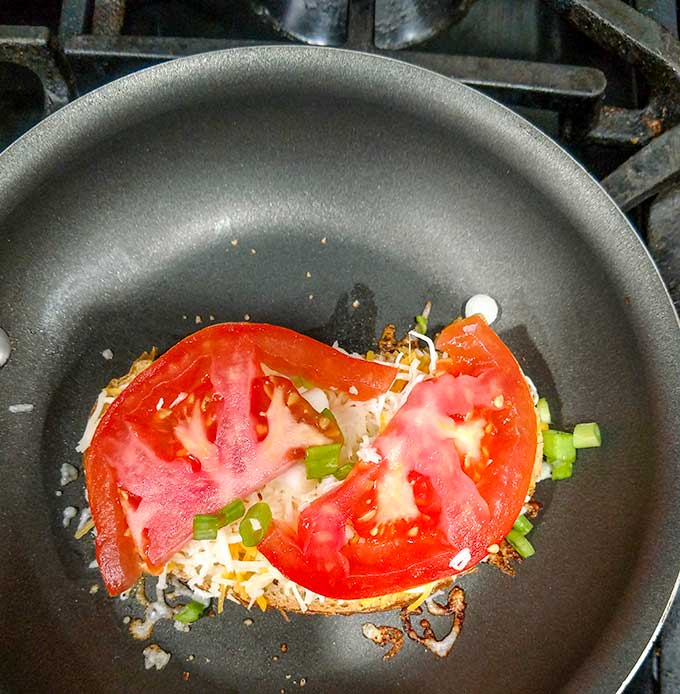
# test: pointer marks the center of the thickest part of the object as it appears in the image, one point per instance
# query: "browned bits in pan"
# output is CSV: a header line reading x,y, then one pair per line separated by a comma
x,y
388,340
455,607
384,636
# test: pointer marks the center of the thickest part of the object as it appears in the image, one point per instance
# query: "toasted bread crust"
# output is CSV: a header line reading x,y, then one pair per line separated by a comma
x,y
277,599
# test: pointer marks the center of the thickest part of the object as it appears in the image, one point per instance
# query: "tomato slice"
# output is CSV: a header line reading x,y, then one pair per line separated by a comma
x,y
456,465
202,426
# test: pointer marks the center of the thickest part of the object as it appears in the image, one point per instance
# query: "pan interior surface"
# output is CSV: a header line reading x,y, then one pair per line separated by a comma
x,y
332,193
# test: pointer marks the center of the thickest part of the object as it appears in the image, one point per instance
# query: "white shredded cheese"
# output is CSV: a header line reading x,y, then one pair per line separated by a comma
x,y
430,346
155,656
369,454
107,354
85,516
546,472
461,560
316,398
532,389
21,408
92,422
69,513
68,474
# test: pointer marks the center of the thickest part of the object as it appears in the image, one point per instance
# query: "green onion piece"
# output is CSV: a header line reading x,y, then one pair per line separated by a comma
x,y
524,548
587,435
191,612
421,324
231,512
329,415
300,382
543,411
321,461
559,445
523,525
254,526
343,471
562,469
206,526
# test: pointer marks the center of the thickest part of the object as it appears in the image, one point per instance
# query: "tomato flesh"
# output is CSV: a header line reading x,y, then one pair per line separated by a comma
x,y
456,465
201,426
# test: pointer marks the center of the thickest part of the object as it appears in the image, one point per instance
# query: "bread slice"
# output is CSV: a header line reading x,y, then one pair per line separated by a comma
x,y
278,600
276,597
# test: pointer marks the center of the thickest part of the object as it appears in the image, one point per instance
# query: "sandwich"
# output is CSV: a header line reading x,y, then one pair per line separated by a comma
x,y
259,466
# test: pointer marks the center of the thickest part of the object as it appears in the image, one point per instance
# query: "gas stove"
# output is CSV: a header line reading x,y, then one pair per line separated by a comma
x,y
600,76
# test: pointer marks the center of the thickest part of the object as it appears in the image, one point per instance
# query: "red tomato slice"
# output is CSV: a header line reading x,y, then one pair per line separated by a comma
x,y
457,460
202,426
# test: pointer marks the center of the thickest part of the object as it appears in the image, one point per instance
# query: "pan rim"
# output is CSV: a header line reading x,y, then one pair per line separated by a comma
x,y
61,128
92,98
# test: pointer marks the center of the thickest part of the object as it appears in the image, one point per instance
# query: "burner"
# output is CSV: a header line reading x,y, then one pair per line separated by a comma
x,y
397,23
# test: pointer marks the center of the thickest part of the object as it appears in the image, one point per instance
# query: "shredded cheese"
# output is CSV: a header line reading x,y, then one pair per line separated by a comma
x,y
91,426
426,590
430,346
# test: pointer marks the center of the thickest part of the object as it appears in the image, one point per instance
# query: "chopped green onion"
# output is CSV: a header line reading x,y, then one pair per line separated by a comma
x,y
421,324
523,525
206,526
254,526
300,382
543,411
559,445
524,548
343,471
321,461
191,612
231,512
587,435
562,469
328,415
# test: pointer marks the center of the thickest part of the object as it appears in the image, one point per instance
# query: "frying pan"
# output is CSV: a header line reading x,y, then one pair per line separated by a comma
x,y
117,217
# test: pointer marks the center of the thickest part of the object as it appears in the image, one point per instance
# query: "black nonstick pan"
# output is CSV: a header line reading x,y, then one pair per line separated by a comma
x,y
204,188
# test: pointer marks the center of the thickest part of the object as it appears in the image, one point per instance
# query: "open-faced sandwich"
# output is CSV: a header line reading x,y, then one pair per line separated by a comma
x,y
258,465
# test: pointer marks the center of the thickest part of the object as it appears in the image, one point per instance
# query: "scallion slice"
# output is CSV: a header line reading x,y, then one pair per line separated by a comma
x,y
191,612
231,512
523,525
300,382
562,469
543,411
521,544
421,324
559,445
329,415
206,526
587,435
255,524
321,461
344,470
